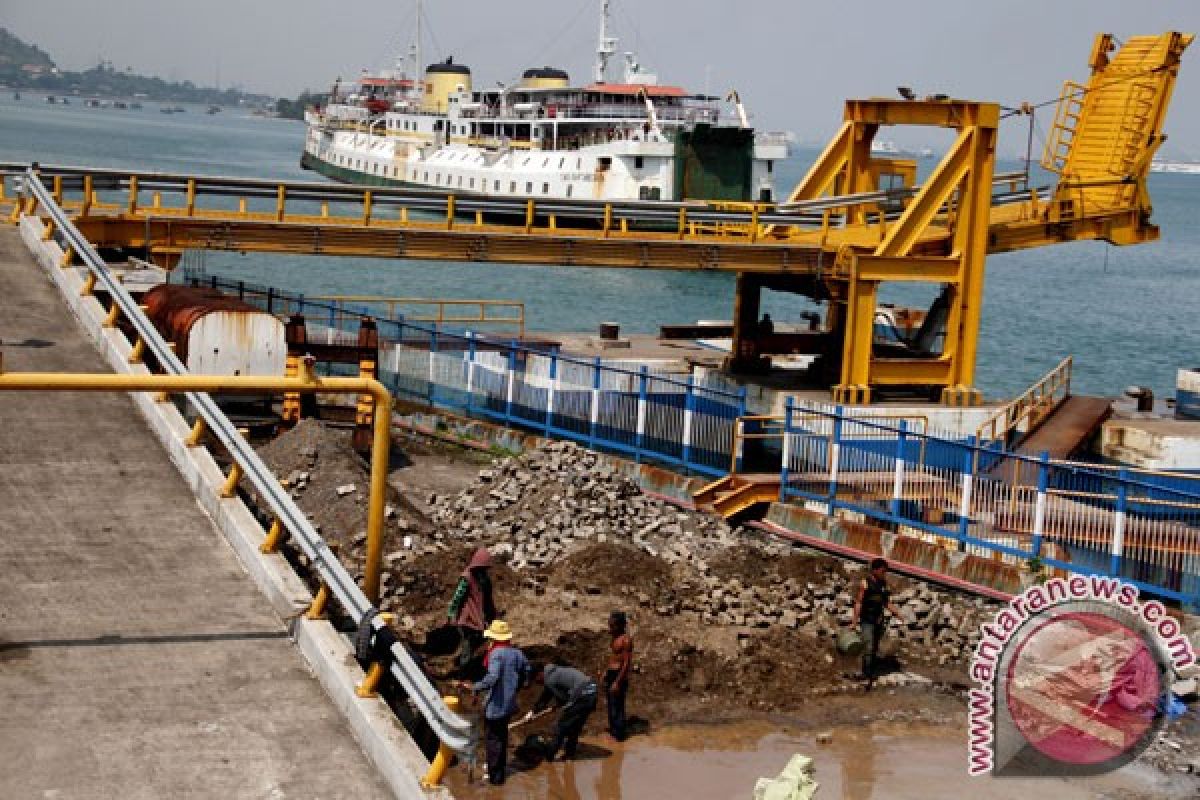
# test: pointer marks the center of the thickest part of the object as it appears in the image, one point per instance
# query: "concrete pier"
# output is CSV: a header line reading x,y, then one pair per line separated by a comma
x,y
137,658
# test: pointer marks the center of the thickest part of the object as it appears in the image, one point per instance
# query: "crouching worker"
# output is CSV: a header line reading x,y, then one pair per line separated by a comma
x,y
507,671
575,693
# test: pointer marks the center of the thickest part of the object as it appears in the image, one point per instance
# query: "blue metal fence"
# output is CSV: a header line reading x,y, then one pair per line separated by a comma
x,y
632,410
1144,528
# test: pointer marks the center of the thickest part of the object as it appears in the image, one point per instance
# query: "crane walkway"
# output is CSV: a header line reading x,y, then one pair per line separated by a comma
x,y
137,658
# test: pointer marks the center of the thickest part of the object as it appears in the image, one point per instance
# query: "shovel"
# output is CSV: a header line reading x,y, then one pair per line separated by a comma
x,y
512,726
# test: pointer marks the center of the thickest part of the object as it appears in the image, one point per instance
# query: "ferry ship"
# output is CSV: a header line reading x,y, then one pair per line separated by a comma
x,y
630,139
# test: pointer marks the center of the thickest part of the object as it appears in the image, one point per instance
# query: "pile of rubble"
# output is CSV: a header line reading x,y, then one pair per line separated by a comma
x,y
537,509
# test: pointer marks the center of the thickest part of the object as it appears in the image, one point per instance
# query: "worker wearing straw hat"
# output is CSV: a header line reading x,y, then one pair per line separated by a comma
x,y
507,670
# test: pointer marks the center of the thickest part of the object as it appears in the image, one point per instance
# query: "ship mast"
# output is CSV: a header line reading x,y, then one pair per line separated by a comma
x,y
605,48
418,82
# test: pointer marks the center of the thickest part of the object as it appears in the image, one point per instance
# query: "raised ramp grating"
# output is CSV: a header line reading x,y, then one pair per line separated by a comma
x,y
1068,428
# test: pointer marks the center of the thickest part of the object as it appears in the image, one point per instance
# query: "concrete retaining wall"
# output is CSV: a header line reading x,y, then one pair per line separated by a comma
x,y
329,654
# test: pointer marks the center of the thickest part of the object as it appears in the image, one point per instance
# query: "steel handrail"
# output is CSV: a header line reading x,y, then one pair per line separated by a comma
x,y
450,728
1013,413
436,200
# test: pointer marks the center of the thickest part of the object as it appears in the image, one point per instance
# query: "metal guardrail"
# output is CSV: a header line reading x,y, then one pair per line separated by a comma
x,y
451,729
351,307
447,204
1081,518
1035,402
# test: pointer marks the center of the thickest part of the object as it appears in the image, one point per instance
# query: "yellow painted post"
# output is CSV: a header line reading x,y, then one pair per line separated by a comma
x,y
682,222
199,428
89,284
366,217
553,222
110,321
607,219
231,482
370,684
58,189
133,195
316,609
67,256
48,230
449,212
478,219
529,216
191,196
242,206
324,209
271,543
404,215
380,449
754,223
280,202
157,200
441,762
139,349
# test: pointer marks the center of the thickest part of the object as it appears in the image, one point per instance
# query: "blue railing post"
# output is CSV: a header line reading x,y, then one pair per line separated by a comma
x,y
786,449
510,382
835,456
594,413
967,487
737,443
643,397
550,392
433,349
1118,534
689,406
1039,510
898,481
470,371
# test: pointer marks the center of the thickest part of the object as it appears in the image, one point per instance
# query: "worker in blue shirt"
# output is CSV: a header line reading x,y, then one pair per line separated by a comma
x,y
507,671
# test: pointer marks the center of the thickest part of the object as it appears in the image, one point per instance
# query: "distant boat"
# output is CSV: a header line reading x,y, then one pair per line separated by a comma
x,y
136,106
1184,167
51,99
214,110
121,104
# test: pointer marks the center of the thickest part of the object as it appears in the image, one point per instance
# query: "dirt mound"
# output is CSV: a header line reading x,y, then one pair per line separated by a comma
x,y
757,567
607,568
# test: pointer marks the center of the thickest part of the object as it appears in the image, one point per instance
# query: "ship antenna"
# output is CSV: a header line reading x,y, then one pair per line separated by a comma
x,y
605,47
418,81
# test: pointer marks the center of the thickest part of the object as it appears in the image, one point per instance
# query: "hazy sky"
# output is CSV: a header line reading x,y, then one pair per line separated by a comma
x,y
793,61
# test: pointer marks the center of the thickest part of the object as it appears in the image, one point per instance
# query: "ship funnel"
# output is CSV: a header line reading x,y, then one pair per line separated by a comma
x,y
441,81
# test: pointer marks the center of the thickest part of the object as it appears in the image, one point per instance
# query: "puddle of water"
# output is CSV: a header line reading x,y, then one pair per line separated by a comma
x,y
724,761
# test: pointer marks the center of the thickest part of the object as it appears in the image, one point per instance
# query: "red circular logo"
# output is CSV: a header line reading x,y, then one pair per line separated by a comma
x,y
1083,688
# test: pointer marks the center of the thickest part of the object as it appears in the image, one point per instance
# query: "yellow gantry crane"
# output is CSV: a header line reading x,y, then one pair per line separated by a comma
x,y
854,222
1104,136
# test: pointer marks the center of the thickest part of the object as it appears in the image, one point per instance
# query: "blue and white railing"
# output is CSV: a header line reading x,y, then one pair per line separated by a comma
x,y
1142,527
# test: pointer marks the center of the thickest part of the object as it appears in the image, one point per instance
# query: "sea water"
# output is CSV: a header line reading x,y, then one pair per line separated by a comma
x,y
1127,314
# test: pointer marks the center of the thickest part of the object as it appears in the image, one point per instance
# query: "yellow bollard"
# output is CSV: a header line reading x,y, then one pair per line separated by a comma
x,y
441,762
67,256
139,348
271,542
89,284
197,434
370,685
316,609
231,483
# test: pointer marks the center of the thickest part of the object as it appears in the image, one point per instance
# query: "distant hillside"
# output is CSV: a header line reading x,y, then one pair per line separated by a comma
x,y
15,55
25,66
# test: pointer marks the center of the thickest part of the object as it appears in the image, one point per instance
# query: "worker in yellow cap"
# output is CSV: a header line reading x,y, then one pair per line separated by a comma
x,y
507,672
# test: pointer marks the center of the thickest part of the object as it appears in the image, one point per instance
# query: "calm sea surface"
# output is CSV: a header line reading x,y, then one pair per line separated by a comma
x,y
1128,315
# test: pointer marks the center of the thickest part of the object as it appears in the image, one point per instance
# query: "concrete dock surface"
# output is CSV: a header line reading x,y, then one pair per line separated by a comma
x,y
137,659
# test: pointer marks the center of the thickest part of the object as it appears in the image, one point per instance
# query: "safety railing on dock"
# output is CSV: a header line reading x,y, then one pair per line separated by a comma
x,y
452,729
1027,410
1141,526
617,406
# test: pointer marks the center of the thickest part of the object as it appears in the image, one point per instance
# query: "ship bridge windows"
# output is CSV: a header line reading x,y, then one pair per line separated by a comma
x,y
529,187
638,162
496,188
545,188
